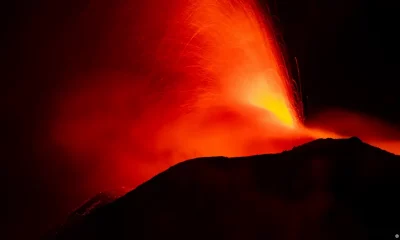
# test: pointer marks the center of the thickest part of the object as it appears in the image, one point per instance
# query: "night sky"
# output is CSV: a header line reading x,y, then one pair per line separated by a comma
x,y
347,52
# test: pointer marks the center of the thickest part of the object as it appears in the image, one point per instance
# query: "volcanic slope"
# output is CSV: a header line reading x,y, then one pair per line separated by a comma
x,y
325,189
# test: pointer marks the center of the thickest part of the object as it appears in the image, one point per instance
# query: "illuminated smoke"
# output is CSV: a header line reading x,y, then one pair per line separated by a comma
x,y
216,85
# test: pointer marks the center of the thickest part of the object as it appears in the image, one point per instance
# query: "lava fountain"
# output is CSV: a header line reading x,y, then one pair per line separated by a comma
x,y
213,83
238,54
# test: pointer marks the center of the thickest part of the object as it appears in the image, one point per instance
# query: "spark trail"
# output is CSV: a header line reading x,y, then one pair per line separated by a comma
x,y
238,52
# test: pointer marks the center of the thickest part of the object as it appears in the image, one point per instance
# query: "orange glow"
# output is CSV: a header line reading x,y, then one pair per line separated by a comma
x,y
217,86
338,123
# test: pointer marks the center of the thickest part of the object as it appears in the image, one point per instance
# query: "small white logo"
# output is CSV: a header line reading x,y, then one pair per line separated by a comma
x,y
397,236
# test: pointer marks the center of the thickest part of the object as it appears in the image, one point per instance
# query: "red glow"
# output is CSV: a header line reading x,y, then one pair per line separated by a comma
x,y
217,86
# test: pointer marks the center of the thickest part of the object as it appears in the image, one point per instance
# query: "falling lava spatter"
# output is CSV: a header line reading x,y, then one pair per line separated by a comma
x,y
238,52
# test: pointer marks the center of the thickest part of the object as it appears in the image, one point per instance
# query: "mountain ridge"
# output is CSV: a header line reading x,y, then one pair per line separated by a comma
x,y
340,187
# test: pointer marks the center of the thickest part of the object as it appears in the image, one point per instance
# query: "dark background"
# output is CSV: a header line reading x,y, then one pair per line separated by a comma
x,y
347,51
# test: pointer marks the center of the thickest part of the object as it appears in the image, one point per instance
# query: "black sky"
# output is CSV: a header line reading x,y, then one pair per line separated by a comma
x,y
347,51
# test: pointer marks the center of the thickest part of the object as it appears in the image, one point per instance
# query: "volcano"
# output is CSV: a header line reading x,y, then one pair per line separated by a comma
x,y
325,189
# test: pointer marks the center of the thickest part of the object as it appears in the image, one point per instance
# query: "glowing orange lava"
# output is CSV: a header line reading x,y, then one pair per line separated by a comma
x,y
217,86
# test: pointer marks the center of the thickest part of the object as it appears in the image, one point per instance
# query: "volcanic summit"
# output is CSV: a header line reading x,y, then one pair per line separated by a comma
x,y
325,189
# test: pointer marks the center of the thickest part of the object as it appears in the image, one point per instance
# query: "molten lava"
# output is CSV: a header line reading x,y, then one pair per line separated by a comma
x,y
217,85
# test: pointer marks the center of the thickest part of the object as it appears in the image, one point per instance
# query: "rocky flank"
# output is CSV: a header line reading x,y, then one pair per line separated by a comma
x,y
326,189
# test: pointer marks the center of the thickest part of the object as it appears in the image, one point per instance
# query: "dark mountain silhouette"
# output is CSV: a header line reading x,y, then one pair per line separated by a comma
x,y
325,189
